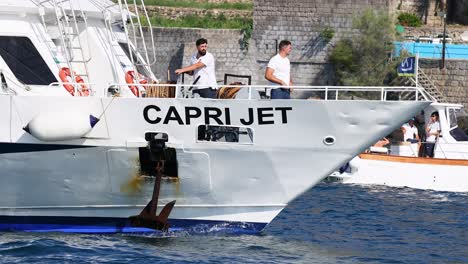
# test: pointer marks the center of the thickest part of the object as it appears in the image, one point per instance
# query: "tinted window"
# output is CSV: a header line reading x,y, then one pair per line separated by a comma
x,y
25,61
453,117
242,135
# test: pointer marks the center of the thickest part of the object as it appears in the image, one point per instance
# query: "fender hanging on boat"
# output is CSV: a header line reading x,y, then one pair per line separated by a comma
x,y
60,126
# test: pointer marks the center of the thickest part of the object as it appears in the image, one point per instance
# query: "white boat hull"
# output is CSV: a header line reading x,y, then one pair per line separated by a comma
x,y
84,179
412,172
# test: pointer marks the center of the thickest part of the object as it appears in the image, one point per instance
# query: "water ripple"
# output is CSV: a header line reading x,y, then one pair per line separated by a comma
x,y
332,223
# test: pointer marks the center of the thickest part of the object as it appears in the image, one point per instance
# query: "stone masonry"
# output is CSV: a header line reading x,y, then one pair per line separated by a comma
x,y
300,21
174,47
427,10
177,12
451,81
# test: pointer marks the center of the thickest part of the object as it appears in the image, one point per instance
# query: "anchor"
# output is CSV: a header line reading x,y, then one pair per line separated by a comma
x,y
147,217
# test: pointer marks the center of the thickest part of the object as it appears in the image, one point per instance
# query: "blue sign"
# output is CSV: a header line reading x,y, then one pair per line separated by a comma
x,y
407,67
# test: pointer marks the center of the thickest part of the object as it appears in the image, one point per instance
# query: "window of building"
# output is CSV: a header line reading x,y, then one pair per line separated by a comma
x,y
24,61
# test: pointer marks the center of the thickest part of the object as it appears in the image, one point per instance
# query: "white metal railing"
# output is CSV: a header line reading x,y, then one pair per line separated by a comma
x,y
76,87
298,92
451,150
137,32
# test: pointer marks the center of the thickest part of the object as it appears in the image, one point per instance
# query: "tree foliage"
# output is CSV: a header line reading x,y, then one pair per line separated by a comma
x,y
363,59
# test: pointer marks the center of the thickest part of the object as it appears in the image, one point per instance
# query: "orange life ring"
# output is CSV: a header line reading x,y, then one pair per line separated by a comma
x,y
64,74
130,79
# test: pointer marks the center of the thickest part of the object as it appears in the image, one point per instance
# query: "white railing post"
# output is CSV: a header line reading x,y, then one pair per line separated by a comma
x,y
326,93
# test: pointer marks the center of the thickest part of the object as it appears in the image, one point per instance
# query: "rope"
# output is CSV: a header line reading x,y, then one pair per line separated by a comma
x,y
160,91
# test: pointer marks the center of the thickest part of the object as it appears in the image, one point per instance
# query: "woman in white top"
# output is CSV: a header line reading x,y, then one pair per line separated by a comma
x,y
432,133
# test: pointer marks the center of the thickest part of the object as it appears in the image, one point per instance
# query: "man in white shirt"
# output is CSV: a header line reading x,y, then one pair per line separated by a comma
x,y
203,70
278,72
410,132
432,133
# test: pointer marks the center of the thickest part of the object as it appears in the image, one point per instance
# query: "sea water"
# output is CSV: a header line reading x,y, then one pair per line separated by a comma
x,y
331,223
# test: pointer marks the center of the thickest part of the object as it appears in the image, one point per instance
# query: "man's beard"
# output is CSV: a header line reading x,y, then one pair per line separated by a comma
x,y
202,52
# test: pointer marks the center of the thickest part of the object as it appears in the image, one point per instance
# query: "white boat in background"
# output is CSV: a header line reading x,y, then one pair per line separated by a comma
x,y
90,153
402,167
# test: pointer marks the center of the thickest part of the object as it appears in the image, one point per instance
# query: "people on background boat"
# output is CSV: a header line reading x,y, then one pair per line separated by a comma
x,y
203,70
410,131
432,134
381,143
278,72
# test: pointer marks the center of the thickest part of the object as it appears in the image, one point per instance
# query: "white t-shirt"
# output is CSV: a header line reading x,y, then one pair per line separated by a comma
x,y
281,68
434,127
207,74
409,132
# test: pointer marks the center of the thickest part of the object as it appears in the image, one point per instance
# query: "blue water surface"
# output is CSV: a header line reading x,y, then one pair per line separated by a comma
x,y
332,223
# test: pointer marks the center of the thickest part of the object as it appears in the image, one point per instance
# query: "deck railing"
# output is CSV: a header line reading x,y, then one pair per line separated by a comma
x,y
297,92
250,92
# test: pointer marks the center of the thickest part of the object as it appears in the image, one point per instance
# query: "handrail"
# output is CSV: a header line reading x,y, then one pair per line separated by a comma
x,y
327,89
77,86
439,148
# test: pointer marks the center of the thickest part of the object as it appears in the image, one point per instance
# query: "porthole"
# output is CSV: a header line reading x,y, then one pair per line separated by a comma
x,y
329,140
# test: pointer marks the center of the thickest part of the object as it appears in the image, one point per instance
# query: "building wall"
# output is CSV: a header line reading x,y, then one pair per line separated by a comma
x,y
451,81
427,10
174,47
300,21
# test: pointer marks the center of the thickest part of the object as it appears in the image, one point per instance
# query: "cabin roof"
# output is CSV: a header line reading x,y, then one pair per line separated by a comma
x,y
90,7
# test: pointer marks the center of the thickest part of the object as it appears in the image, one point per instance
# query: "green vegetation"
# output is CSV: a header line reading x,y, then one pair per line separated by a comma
x,y
364,59
247,31
409,20
207,21
327,34
197,4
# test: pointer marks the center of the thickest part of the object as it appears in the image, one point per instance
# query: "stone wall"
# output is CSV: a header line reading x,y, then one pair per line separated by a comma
x,y
451,81
460,11
228,1
177,12
427,10
302,21
174,47
454,32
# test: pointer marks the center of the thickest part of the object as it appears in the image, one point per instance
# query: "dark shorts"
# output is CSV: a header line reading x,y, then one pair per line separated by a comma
x,y
205,92
429,149
280,93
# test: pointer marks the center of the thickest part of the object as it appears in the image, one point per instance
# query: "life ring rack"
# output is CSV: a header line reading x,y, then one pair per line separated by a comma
x,y
130,79
65,74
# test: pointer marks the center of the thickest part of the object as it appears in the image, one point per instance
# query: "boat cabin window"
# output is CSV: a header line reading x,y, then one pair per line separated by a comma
x,y
457,133
24,61
229,134
452,114
136,59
